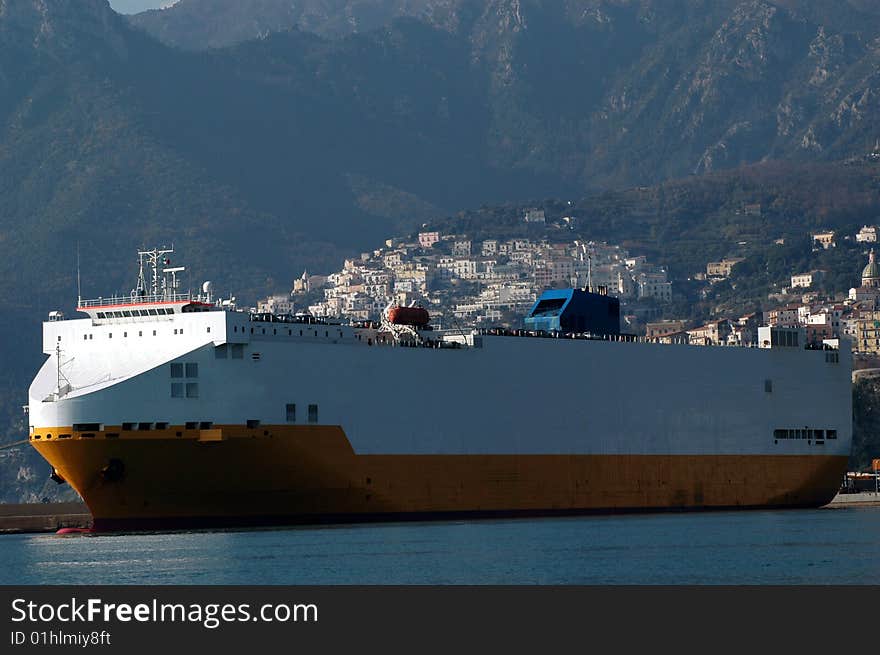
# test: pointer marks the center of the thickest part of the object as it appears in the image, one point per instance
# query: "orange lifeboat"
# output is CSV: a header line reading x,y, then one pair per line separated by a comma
x,y
416,316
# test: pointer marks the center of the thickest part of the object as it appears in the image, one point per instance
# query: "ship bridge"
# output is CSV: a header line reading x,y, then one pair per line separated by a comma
x,y
156,294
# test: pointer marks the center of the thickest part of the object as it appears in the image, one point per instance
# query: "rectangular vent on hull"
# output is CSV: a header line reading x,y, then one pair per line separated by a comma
x,y
87,427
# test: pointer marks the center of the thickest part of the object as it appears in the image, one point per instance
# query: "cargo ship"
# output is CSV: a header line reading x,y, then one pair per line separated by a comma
x,y
169,410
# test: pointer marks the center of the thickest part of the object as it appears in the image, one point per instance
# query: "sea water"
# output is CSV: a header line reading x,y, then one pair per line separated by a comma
x,y
825,546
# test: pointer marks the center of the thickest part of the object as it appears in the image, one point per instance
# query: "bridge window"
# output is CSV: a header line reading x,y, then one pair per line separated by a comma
x,y
176,370
192,370
192,389
291,412
177,390
313,413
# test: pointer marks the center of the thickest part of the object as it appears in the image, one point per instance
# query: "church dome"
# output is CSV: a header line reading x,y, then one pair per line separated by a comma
x,y
871,272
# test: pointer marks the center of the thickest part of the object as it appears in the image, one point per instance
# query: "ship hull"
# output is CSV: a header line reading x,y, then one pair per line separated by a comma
x,y
280,474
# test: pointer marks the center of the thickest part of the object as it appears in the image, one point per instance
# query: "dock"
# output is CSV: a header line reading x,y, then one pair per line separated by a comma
x,y
43,517
859,499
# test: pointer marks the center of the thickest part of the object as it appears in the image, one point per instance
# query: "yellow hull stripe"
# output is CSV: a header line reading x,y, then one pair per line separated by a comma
x,y
311,471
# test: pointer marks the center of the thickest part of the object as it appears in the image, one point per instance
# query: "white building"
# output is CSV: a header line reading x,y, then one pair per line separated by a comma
x,y
279,304
868,234
654,285
805,280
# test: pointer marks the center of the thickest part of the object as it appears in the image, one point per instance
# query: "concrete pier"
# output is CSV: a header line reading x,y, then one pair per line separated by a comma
x,y
860,499
43,517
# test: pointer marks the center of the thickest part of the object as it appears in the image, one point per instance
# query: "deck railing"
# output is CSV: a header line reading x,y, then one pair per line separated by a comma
x,y
136,300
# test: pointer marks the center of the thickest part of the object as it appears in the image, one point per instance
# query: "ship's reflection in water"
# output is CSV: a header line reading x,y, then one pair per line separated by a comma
x,y
828,546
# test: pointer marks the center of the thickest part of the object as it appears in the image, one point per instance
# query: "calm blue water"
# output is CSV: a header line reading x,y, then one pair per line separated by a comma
x,y
830,546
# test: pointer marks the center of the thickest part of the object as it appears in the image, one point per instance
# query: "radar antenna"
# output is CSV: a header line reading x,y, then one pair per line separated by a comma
x,y
152,258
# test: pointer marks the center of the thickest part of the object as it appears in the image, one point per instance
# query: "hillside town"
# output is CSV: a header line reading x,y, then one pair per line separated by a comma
x,y
490,282
495,282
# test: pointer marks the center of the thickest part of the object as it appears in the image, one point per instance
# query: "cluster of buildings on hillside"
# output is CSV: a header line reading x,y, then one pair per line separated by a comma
x,y
857,317
497,281
477,282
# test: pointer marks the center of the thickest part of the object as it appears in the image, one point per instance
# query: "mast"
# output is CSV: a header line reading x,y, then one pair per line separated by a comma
x,y
152,258
79,295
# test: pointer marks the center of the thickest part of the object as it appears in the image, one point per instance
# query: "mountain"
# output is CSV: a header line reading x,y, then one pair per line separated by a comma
x,y
293,150
201,24
299,149
619,91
